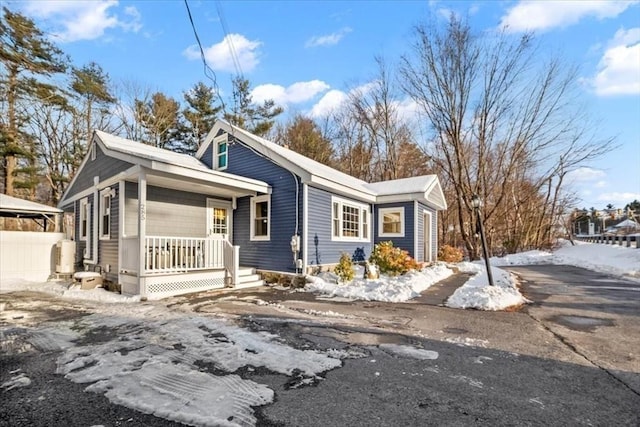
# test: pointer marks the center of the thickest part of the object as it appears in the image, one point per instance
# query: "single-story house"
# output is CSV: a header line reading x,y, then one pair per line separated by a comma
x,y
162,223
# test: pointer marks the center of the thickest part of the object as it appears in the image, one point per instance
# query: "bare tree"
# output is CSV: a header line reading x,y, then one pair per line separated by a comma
x,y
504,126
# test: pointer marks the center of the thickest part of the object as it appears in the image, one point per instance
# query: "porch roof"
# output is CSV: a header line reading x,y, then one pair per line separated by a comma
x,y
19,208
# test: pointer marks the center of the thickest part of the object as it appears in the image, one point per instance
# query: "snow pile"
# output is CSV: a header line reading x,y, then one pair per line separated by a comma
x,y
185,369
476,292
522,258
64,289
608,259
19,380
408,351
386,288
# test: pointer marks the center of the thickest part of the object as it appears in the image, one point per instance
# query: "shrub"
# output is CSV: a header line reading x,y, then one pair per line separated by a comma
x,y
450,254
344,269
392,260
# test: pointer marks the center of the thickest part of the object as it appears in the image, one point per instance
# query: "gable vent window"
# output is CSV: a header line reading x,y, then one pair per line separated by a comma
x,y
221,152
349,221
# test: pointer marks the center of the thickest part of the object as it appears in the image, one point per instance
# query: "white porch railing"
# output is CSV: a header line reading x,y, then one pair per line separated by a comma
x,y
232,261
182,254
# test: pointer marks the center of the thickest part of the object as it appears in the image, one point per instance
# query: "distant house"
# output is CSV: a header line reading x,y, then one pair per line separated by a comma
x,y
162,223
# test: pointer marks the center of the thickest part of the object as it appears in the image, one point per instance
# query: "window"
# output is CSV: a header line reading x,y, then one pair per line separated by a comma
x,y
391,222
85,210
93,151
349,220
260,217
105,214
221,152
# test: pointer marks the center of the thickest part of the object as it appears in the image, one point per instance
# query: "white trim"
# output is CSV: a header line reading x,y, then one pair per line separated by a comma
x,y
104,194
253,202
361,207
224,138
416,222
121,217
142,229
382,212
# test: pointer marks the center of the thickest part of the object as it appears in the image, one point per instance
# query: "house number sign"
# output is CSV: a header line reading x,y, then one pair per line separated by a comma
x,y
143,212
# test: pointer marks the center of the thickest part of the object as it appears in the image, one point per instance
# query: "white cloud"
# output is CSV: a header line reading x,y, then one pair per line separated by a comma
x,y
600,184
329,39
219,55
84,20
545,15
294,94
619,69
620,199
328,103
585,174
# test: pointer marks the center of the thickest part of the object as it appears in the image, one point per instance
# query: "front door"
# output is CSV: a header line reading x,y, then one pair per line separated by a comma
x,y
218,229
426,241
218,219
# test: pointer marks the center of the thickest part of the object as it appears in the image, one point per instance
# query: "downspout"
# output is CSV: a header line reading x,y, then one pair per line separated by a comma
x,y
305,227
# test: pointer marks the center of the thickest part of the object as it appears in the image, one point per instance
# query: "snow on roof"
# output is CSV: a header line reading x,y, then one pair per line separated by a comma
x,y
15,205
307,164
416,184
138,149
627,223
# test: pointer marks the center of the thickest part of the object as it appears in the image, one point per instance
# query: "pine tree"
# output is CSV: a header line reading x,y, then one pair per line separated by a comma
x,y
200,115
303,136
26,56
255,118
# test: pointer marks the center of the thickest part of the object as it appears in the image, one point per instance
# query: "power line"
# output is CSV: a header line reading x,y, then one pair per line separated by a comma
x,y
208,71
225,30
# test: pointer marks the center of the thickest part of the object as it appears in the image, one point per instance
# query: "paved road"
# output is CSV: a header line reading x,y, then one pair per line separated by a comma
x,y
595,314
532,367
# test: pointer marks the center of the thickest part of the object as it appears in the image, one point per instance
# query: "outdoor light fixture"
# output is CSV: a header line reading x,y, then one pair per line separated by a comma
x,y
476,203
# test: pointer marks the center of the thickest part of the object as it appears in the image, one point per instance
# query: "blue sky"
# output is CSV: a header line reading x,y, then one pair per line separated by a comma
x,y
307,54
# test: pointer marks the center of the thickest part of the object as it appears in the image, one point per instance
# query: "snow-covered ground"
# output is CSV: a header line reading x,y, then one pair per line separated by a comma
x,y
476,293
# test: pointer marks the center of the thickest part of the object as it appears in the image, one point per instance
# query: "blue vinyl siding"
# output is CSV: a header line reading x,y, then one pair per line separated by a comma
x,y
274,254
103,167
407,242
323,250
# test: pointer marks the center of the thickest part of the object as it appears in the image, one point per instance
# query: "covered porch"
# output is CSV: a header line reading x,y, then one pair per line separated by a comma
x,y
176,230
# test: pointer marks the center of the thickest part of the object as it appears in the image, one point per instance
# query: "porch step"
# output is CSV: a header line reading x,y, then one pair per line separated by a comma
x,y
248,278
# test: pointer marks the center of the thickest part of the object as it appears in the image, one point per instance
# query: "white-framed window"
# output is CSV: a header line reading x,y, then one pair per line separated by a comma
x,y
220,152
260,217
85,214
105,214
93,151
349,220
391,222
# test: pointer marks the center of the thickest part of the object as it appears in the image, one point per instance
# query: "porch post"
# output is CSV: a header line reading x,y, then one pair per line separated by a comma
x,y
142,230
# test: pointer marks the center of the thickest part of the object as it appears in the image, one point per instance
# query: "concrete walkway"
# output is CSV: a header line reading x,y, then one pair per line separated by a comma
x,y
438,293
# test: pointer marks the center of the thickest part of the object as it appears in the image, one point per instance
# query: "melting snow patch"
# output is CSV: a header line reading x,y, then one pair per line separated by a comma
x,y
20,380
158,366
408,351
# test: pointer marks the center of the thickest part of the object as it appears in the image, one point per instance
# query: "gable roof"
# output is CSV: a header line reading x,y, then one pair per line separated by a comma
x,y
164,162
425,187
